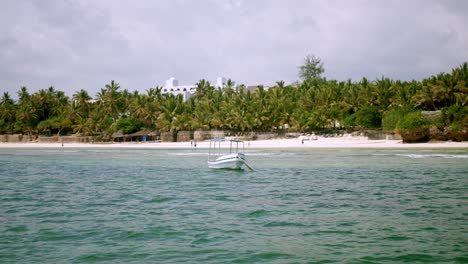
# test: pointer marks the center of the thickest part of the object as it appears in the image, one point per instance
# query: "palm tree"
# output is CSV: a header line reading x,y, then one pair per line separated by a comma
x,y
41,101
204,89
6,99
230,85
171,107
23,95
154,92
424,98
81,104
81,98
7,113
110,100
383,92
60,102
28,117
140,109
83,126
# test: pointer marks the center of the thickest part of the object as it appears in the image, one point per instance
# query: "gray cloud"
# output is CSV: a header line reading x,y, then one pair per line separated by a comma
x,y
85,44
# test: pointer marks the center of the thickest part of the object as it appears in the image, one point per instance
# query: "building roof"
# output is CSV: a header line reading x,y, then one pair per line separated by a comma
x,y
120,134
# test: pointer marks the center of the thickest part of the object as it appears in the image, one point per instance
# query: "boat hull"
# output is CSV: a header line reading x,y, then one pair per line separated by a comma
x,y
231,161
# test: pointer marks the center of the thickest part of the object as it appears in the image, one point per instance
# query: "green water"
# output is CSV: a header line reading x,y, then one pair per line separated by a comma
x,y
166,206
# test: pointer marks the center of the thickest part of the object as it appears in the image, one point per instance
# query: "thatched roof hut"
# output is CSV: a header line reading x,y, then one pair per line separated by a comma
x,y
142,135
118,134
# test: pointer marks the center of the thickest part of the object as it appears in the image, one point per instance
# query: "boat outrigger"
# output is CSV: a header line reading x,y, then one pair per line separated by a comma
x,y
235,159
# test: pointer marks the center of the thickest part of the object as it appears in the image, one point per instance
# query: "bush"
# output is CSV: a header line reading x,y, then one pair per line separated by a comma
x,y
391,118
413,127
350,121
455,114
411,121
129,125
456,126
368,117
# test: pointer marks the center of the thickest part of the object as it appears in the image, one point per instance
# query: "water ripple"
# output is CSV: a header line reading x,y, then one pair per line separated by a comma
x,y
165,206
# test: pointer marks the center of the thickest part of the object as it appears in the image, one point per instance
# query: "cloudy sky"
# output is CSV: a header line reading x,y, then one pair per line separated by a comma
x,y
75,45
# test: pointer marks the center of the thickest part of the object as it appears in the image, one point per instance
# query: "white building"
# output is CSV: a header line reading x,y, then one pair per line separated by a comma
x,y
172,87
220,82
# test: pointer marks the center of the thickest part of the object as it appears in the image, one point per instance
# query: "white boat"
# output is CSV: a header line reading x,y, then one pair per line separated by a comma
x,y
221,158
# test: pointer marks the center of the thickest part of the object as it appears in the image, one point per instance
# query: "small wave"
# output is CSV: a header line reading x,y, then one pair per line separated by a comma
x,y
289,195
200,241
347,224
461,259
262,154
61,151
269,154
207,251
343,191
163,231
429,228
397,238
339,232
98,257
18,229
257,213
54,235
415,257
131,235
224,198
423,258
445,156
161,199
283,224
187,154
265,256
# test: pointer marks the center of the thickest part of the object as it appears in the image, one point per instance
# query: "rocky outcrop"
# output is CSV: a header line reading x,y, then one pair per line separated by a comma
x,y
418,135
447,134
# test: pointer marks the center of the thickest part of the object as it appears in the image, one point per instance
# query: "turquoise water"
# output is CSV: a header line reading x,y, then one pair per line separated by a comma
x,y
299,206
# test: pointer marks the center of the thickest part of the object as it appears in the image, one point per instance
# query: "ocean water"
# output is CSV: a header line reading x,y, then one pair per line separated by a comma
x,y
298,206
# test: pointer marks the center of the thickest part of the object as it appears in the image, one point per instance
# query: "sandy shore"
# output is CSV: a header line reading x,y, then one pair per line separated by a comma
x,y
320,142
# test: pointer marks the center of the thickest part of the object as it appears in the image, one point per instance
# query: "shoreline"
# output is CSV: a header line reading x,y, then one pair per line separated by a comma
x,y
295,143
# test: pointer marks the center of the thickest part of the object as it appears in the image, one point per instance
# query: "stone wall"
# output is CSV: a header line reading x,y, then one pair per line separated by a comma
x,y
247,136
17,138
75,139
183,136
201,135
53,139
265,136
217,134
168,136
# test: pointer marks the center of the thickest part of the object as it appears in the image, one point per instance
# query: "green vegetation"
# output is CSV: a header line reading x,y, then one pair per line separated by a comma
x,y
392,116
413,127
311,69
314,104
369,117
412,121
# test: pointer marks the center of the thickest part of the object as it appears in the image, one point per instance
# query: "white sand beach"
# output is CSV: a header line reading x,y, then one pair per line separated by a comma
x,y
318,142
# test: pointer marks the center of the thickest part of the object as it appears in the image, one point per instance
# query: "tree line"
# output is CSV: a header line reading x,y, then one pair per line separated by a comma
x,y
313,104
